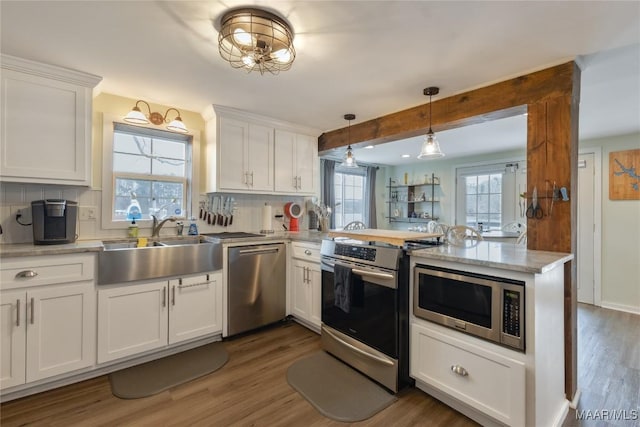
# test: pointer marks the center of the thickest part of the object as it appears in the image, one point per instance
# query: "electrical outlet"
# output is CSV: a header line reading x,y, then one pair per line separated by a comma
x,y
23,212
88,213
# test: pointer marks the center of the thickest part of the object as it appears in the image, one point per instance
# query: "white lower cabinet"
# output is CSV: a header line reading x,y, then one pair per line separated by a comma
x,y
489,382
306,285
138,317
47,324
46,332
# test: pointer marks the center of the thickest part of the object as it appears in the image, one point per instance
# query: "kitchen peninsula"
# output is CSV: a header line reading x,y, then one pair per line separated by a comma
x,y
488,382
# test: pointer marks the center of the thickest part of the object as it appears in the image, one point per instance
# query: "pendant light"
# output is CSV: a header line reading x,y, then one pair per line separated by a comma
x,y
349,159
430,145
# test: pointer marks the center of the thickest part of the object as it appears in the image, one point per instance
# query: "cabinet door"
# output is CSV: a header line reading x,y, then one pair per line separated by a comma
x,y
307,163
285,162
55,149
315,277
300,291
195,306
12,338
487,381
233,154
261,157
60,329
132,319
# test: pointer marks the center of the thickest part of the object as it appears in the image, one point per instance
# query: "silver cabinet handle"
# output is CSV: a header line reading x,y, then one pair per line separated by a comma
x,y
307,252
251,178
459,370
246,178
295,182
17,312
26,274
164,296
173,295
299,179
194,284
307,274
32,311
258,251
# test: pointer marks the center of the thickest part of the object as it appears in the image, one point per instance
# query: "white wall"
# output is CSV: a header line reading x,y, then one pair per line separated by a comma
x,y
620,268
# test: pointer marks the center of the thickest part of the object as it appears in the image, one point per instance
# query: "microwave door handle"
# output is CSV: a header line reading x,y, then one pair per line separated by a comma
x,y
372,274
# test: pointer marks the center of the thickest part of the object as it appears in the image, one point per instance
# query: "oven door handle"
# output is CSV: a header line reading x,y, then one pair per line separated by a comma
x,y
357,350
373,274
328,264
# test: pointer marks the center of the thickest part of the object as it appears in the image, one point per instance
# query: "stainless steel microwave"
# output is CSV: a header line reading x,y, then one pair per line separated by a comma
x,y
485,306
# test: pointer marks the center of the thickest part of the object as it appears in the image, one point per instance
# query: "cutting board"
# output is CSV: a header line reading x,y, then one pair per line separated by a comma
x,y
393,237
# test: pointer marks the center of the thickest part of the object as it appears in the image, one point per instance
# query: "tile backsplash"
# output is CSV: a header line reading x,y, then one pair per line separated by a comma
x,y
247,212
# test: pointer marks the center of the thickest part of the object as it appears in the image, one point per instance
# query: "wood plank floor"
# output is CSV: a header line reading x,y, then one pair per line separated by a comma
x,y
608,367
250,390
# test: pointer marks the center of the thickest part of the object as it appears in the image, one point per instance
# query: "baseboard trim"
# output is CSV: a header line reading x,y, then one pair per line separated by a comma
x,y
576,399
620,307
562,415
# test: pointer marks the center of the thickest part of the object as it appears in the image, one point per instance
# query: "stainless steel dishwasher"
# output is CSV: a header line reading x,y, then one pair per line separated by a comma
x,y
256,286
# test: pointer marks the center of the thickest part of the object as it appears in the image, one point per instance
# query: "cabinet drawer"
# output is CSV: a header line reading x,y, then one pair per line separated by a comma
x,y
46,270
306,251
487,381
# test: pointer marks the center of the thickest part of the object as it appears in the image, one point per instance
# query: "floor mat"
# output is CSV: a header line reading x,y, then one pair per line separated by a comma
x,y
156,376
336,390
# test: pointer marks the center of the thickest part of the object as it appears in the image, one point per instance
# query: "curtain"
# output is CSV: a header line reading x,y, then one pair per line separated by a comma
x,y
327,189
370,198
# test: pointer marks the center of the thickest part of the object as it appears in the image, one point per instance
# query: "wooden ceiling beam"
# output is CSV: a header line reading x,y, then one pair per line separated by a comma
x,y
500,100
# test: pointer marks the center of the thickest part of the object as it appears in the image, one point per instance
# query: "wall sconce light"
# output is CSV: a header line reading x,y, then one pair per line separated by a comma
x,y
349,159
430,146
137,117
255,39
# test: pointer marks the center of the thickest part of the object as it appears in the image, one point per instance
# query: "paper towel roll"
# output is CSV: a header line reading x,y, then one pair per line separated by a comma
x,y
266,218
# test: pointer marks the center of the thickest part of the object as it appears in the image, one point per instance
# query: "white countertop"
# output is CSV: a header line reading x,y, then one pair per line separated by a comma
x,y
506,256
29,249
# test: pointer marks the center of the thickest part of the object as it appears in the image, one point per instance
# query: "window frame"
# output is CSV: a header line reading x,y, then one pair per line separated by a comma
x,y
109,176
355,172
513,183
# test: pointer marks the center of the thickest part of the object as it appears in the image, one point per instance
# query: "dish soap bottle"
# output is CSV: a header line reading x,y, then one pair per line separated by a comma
x,y
133,229
193,228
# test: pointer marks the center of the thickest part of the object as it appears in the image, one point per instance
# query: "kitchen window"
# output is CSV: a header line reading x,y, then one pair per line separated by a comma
x,y
150,173
349,196
489,194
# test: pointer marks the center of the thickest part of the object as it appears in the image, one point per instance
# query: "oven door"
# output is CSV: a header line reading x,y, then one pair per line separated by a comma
x,y
372,315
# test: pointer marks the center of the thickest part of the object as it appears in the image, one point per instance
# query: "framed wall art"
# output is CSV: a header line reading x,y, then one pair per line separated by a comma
x,y
624,175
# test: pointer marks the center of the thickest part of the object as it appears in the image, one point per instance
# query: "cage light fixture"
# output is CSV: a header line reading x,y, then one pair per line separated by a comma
x,y
349,159
254,39
136,116
430,145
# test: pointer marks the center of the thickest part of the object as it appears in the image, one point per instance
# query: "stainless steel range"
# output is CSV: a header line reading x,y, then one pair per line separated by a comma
x,y
365,309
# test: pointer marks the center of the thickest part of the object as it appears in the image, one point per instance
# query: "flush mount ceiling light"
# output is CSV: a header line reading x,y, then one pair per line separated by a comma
x,y
430,146
137,117
349,159
255,39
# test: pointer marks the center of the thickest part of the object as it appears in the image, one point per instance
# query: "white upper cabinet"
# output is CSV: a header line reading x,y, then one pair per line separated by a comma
x,y
246,156
46,123
248,153
296,163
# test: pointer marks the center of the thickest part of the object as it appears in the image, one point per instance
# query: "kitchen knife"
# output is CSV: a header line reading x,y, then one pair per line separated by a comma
x,y
225,210
231,202
220,215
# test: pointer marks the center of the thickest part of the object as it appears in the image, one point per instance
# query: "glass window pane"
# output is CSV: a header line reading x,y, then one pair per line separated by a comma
x,y
170,149
483,184
471,184
495,203
483,203
168,167
126,143
131,163
472,203
495,185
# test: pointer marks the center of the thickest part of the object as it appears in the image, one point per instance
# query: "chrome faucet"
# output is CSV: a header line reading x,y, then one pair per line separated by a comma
x,y
155,230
